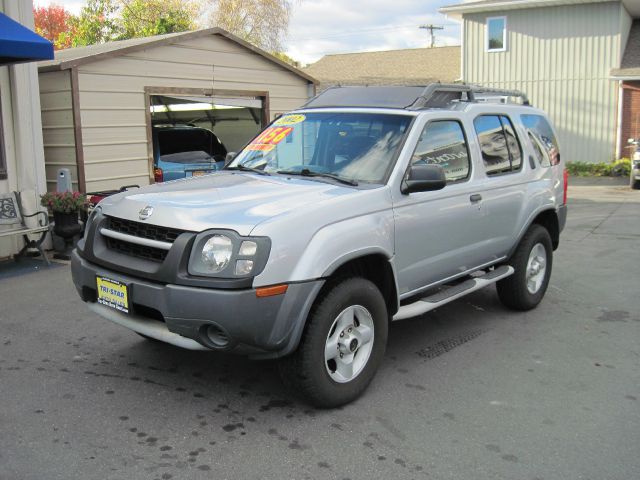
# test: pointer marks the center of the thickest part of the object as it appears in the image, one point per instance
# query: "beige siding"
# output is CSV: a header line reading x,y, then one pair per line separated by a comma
x,y
57,126
561,57
113,104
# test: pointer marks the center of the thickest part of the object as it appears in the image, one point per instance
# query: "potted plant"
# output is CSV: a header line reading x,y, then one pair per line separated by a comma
x,y
65,207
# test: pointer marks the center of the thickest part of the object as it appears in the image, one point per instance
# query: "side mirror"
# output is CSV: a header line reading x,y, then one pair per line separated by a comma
x,y
424,178
229,158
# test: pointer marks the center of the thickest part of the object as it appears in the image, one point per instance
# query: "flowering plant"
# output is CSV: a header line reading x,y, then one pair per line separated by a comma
x,y
64,202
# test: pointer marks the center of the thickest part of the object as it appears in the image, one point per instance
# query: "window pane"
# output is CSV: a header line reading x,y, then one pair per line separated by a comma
x,y
543,160
495,32
357,146
493,144
512,143
543,138
443,143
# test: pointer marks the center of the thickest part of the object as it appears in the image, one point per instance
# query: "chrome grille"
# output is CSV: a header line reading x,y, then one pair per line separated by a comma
x,y
143,231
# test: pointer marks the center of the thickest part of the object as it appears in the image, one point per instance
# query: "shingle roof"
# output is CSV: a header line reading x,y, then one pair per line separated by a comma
x,y
630,65
71,57
418,66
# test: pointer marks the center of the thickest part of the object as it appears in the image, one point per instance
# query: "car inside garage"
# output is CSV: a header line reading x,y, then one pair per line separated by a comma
x,y
191,135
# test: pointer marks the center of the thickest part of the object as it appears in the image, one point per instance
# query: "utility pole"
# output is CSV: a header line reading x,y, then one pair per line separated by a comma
x,y
431,28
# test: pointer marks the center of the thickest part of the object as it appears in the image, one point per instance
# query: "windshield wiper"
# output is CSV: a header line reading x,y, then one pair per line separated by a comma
x,y
305,172
244,168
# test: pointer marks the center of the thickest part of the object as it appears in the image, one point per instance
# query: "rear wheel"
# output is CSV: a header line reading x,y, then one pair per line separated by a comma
x,y
532,263
342,346
634,184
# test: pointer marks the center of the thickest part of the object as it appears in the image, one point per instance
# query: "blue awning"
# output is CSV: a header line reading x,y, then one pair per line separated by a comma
x,y
19,44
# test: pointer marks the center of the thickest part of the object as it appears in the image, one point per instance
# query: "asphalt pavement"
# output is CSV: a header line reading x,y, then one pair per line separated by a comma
x,y
471,391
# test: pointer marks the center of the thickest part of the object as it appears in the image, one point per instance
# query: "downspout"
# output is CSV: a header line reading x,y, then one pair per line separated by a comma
x,y
462,47
462,25
619,139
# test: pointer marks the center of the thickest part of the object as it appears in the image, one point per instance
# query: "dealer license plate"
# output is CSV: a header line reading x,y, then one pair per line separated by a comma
x,y
198,173
113,293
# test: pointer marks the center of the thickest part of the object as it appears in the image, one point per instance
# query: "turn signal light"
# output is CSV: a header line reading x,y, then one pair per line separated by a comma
x,y
158,175
565,175
271,291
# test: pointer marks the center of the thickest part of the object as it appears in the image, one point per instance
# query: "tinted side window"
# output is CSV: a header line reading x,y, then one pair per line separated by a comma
x,y
501,150
542,157
443,143
542,138
493,143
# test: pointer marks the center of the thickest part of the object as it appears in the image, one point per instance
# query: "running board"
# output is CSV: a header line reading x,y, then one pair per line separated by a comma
x,y
452,293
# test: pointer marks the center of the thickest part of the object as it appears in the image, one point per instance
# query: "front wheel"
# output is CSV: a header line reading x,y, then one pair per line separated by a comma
x,y
633,183
342,345
532,263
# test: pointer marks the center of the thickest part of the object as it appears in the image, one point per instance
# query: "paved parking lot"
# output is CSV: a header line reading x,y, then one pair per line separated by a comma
x,y
470,391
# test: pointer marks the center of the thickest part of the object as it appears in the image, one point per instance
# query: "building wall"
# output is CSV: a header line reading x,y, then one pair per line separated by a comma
x,y
630,127
57,126
22,132
112,99
561,57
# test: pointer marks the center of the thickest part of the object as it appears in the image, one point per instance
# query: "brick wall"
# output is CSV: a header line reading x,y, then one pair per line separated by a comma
x,y
630,116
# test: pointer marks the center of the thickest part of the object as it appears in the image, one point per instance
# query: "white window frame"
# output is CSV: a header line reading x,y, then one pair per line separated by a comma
x,y
504,34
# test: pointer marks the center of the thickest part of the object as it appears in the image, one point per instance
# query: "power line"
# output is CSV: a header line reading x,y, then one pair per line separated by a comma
x,y
431,28
368,30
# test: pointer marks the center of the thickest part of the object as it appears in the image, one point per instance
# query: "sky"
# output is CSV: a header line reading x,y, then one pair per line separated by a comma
x,y
322,27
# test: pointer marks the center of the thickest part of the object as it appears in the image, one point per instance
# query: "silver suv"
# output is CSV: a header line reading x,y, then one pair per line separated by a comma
x,y
368,205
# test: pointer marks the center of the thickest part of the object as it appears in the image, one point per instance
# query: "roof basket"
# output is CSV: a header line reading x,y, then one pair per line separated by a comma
x,y
499,92
434,95
439,95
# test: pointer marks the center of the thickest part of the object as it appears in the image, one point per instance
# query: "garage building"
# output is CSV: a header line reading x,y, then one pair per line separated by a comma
x,y
99,103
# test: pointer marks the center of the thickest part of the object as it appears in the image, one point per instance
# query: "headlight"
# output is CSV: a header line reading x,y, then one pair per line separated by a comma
x,y
216,253
225,254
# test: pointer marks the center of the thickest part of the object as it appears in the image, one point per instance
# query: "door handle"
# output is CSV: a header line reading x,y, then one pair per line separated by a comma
x,y
475,198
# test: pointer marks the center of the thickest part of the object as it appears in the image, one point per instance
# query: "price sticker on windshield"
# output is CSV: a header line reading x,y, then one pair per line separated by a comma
x,y
268,139
290,120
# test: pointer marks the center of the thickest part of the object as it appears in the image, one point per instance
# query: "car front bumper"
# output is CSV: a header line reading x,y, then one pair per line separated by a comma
x,y
187,316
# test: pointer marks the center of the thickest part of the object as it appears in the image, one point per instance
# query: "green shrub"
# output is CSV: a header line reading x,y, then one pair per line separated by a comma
x,y
617,168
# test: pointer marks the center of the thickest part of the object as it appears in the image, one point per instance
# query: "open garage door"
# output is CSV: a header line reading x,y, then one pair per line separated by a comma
x,y
192,134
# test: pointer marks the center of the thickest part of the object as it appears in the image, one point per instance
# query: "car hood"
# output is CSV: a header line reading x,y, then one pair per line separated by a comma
x,y
227,200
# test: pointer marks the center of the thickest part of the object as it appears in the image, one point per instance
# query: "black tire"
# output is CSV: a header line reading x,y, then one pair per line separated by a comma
x,y
634,184
513,291
305,372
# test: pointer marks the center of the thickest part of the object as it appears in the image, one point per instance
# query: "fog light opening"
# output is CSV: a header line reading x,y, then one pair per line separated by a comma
x,y
217,336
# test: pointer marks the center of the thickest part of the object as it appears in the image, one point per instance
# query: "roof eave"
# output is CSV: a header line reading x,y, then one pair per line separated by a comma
x,y
457,11
623,78
68,64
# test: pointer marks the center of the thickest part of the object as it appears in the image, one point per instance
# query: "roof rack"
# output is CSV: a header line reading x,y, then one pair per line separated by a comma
x,y
439,95
434,95
500,92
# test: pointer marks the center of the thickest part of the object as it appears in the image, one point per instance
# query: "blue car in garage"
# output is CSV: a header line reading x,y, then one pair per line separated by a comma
x,y
181,151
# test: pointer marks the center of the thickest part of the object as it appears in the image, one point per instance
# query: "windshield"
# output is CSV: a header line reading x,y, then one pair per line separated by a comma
x,y
359,147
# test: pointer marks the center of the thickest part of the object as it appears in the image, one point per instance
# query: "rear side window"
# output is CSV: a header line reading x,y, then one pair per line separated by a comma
x,y
443,143
501,151
542,139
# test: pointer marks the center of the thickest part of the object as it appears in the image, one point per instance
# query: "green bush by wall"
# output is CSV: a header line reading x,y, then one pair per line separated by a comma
x,y
617,168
